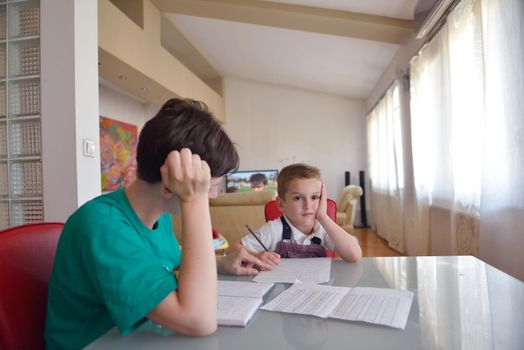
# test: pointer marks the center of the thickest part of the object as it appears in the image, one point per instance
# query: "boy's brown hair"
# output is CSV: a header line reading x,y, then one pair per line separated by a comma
x,y
295,171
184,123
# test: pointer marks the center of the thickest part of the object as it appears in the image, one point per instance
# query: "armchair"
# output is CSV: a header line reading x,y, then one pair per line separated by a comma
x,y
347,205
27,254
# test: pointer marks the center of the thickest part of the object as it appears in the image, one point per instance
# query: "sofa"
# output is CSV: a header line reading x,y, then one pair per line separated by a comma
x,y
230,212
347,202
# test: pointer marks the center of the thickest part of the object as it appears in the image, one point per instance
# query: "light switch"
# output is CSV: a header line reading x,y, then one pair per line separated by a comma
x,y
89,148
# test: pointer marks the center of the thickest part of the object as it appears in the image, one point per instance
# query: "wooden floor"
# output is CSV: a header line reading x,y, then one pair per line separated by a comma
x,y
372,244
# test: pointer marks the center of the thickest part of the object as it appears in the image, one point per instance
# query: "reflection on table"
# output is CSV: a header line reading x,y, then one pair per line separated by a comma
x,y
460,303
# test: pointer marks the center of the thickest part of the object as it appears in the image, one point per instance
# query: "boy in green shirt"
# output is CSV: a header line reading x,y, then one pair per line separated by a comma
x,y
115,258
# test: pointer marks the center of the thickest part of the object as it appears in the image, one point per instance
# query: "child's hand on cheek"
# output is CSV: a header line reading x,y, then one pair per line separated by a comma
x,y
185,175
322,205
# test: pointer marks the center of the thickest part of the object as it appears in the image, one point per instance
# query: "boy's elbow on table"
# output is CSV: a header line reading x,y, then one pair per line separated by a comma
x,y
201,329
197,327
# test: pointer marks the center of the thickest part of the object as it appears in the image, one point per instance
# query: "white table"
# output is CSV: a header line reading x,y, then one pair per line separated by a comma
x,y
460,303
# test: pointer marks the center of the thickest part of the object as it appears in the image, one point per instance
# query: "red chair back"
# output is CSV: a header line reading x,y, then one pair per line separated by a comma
x,y
272,211
27,253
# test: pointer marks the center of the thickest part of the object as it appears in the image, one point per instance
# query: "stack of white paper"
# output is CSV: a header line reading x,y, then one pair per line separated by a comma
x,y
238,301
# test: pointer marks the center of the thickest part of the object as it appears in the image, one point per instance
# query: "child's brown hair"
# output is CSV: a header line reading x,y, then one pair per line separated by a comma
x,y
295,171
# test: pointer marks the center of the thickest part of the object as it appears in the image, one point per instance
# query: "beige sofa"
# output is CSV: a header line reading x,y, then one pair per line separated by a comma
x,y
231,211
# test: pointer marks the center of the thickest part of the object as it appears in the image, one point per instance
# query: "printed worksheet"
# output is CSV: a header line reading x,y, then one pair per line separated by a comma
x,y
384,306
305,270
307,299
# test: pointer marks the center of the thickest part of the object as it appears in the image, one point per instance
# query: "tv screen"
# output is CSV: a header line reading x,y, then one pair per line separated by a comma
x,y
252,180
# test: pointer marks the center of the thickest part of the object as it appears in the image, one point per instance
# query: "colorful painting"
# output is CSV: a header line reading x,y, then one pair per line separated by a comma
x,y
118,142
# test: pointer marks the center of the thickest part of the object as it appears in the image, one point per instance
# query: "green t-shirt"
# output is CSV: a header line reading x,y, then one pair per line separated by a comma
x,y
109,270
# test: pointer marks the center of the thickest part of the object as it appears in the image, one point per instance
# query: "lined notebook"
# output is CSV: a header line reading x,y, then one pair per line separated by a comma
x,y
237,302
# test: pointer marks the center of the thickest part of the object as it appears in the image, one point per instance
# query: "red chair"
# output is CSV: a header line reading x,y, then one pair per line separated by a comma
x,y
272,211
27,253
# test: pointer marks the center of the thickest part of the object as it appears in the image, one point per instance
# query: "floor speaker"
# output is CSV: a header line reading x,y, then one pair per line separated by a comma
x,y
347,178
363,212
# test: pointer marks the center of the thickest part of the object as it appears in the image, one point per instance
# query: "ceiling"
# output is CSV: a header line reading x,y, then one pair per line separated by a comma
x,y
338,47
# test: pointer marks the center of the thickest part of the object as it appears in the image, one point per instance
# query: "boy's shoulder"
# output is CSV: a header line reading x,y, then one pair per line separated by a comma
x,y
104,210
104,204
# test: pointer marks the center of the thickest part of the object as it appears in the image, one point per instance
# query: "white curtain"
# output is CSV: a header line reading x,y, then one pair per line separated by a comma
x,y
467,111
467,114
386,138
502,200
448,134
466,142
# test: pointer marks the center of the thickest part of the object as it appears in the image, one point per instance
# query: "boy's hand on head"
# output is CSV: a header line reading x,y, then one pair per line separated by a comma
x,y
186,175
322,205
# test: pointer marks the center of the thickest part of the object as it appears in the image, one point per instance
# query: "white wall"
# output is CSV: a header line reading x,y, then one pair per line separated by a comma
x,y
274,126
118,105
69,94
398,65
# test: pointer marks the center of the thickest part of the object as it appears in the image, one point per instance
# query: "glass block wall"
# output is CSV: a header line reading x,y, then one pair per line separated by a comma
x,y
20,136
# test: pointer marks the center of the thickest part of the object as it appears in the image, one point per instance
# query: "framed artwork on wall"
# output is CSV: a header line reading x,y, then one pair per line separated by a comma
x,y
118,141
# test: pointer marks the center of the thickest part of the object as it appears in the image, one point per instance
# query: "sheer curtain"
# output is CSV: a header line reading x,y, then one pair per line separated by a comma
x,y
447,121
467,142
502,206
386,138
467,111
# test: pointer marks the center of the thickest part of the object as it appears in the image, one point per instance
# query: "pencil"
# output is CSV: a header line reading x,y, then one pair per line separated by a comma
x,y
258,239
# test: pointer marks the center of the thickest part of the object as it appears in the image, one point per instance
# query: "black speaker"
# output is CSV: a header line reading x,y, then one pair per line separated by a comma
x,y
347,177
363,213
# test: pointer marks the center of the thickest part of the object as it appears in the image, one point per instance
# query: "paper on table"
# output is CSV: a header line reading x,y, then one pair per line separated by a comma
x,y
305,270
237,302
317,300
385,306
243,289
236,311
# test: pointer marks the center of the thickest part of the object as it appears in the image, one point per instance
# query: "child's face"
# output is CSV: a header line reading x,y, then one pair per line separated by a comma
x,y
258,187
301,201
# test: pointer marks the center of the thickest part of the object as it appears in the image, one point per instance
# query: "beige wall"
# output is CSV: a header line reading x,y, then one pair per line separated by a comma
x,y
274,126
127,49
69,95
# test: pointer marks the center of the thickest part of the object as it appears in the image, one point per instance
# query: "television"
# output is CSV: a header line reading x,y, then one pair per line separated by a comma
x,y
252,180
